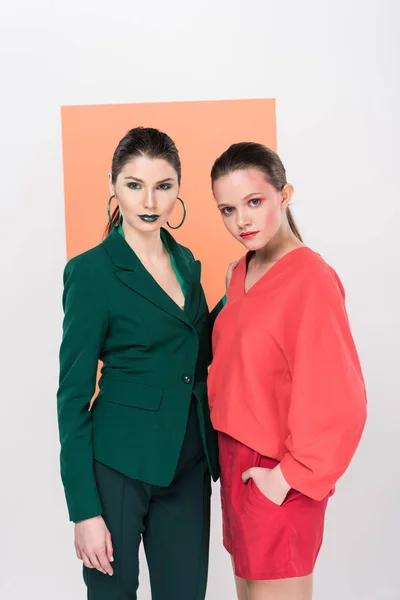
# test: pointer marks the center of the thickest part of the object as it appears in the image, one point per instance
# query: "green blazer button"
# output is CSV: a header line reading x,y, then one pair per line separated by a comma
x,y
187,378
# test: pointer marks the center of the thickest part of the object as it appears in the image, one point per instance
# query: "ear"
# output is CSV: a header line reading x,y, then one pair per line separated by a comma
x,y
110,185
287,194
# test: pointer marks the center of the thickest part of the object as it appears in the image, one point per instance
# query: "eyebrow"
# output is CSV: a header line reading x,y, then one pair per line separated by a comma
x,y
157,182
243,199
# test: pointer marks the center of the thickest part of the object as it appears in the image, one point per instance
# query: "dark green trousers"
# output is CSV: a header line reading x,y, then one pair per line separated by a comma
x,y
173,522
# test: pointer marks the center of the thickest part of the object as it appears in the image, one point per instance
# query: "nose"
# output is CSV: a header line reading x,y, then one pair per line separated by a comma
x,y
242,219
150,201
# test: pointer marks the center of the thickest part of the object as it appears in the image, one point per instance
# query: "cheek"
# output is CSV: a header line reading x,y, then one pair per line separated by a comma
x,y
229,224
126,206
272,219
121,199
166,199
125,196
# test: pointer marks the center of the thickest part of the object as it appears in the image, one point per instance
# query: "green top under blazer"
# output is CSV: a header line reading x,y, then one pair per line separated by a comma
x,y
155,358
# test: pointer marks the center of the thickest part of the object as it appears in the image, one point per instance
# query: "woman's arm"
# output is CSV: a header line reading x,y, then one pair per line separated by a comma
x,y
84,329
327,410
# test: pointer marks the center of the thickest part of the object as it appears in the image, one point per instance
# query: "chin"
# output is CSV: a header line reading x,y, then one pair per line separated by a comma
x,y
143,227
149,226
252,245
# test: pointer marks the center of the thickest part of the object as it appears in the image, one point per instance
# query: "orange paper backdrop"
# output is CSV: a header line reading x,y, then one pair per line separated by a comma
x,y
201,131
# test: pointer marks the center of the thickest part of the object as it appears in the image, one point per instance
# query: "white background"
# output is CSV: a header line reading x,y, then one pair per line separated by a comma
x,y
333,67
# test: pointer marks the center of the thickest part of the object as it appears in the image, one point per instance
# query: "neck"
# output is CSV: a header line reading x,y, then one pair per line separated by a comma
x,y
144,244
283,242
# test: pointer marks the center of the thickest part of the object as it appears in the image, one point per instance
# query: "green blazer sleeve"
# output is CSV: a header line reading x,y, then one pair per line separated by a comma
x,y
84,329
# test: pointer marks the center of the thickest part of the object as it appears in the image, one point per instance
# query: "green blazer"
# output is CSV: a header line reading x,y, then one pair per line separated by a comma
x,y
155,358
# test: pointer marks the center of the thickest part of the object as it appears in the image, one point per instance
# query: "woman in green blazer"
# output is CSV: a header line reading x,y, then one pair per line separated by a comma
x,y
136,464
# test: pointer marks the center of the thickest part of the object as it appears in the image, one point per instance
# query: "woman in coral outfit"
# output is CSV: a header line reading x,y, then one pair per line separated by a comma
x,y
286,390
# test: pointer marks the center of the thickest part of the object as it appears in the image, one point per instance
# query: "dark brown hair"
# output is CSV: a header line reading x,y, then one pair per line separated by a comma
x,y
142,141
248,155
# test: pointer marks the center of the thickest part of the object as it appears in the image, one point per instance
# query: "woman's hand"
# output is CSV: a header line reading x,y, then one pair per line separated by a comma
x,y
270,482
93,544
229,272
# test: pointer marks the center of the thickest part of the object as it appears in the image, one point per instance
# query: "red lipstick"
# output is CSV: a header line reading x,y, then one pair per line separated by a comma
x,y
247,235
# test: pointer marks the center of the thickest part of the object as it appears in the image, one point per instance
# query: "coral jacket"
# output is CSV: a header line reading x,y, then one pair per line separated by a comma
x,y
286,378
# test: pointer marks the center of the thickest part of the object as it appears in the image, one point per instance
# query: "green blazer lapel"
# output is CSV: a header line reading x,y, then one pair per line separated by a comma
x,y
194,291
190,270
131,272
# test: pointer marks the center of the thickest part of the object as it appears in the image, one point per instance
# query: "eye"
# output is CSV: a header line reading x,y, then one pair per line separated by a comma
x,y
134,185
165,186
227,210
255,202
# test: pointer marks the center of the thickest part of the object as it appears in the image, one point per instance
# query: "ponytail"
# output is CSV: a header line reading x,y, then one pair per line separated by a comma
x,y
293,225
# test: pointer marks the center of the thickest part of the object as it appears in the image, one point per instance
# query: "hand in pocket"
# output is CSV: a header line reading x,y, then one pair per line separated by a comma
x,y
270,482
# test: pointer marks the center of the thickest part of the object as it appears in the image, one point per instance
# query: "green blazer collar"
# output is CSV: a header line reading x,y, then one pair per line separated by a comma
x,y
133,274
